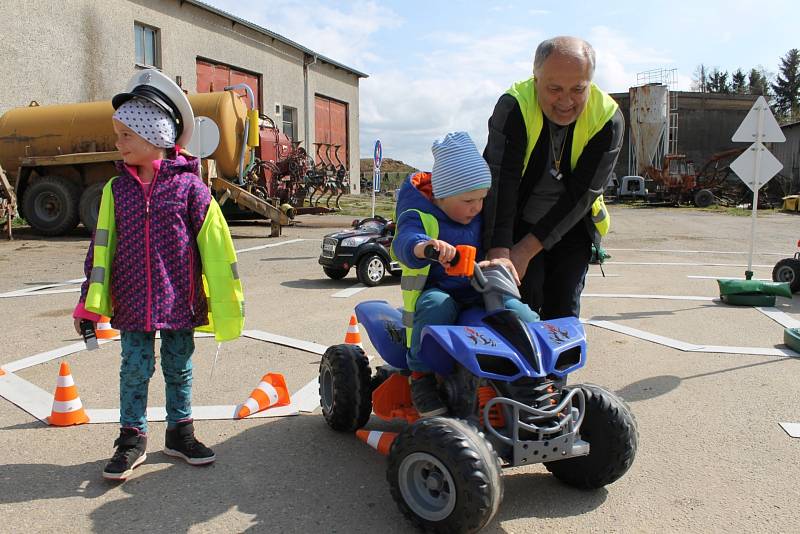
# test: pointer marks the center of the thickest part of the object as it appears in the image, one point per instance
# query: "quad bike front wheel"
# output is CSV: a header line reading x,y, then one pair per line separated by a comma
x,y
445,476
345,390
610,428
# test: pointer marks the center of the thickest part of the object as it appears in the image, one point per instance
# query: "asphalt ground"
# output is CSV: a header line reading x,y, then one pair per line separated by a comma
x,y
711,457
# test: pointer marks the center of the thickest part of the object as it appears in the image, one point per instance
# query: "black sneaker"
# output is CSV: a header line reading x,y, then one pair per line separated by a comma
x,y
425,395
180,442
131,446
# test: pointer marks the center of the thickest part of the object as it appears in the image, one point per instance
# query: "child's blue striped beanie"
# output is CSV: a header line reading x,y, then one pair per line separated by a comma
x,y
458,167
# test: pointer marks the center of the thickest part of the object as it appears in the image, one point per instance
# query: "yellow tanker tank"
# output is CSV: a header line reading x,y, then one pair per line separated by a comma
x,y
37,131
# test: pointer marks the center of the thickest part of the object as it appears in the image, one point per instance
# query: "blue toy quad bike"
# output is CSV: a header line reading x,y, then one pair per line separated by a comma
x,y
505,385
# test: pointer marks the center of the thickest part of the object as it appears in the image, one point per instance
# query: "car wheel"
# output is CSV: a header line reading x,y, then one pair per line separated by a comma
x,y
788,270
335,274
371,270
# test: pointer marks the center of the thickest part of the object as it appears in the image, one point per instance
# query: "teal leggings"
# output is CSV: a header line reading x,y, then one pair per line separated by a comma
x,y
139,364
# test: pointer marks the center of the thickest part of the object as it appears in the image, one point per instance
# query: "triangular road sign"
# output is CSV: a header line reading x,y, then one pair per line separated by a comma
x,y
748,130
745,166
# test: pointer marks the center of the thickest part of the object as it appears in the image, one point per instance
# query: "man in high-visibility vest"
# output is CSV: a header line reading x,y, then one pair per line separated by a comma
x,y
553,142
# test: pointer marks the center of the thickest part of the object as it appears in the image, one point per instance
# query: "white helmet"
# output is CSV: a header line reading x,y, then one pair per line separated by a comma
x,y
154,86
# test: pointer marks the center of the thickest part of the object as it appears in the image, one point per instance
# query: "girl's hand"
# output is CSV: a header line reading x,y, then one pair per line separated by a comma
x,y
446,251
77,323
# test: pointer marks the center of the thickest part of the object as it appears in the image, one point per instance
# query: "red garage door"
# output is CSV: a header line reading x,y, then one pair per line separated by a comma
x,y
216,76
330,119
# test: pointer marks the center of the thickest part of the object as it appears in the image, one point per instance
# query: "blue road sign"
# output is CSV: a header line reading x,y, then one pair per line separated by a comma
x,y
378,156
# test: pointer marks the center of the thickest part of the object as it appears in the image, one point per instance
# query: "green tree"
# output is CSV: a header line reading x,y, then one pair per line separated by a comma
x,y
757,82
718,81
739,82
787,86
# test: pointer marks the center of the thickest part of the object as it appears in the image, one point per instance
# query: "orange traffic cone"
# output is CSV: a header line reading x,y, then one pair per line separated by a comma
x,y
271,391
353,336
67,407
380,441
104,330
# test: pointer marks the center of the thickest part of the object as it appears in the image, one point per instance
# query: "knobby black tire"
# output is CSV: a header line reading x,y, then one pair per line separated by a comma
x,y
471,462
788,270
350,392
65,192
610,428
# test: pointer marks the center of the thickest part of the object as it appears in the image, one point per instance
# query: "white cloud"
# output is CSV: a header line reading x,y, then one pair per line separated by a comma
x,y
619,60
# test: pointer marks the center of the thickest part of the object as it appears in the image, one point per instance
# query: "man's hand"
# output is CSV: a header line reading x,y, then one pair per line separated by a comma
x,y
523,252
505,262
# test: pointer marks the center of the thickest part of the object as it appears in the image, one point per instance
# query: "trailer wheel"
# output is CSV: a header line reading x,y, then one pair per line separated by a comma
x,y
788,270
89,205
51,205
703,198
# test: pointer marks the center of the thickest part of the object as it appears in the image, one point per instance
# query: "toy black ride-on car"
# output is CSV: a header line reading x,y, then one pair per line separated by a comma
x,y
788,270
365,247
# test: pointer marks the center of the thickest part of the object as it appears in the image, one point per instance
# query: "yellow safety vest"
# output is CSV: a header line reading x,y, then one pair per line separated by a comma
x,y
221,282
599,109
412,281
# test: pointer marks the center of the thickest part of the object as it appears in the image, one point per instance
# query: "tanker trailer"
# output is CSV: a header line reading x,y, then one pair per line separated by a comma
x,y
59,157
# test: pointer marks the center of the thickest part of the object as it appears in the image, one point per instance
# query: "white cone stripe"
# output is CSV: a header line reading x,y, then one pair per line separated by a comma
x,y
65,381
104,326
353,329
251,405
67,406
272,393
373,438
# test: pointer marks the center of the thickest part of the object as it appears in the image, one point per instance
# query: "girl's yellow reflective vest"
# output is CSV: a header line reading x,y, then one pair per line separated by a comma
x,y
599,109
221,281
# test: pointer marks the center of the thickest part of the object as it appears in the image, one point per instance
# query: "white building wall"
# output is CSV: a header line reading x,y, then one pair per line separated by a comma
x,y
83,50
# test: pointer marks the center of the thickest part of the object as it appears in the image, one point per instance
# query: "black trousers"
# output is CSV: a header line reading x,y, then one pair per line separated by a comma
x,y
555,278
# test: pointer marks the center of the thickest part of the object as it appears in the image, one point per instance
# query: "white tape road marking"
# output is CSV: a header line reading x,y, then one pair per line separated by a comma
x,y
779,317
699,277
681,264
689,347
260,247
349,292
697,251
656,297
793,429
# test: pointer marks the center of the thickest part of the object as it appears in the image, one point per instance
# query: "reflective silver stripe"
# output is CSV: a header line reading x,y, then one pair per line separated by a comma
x,y
98,275
601,215
101,237
242,308
235,270
413,282
408,319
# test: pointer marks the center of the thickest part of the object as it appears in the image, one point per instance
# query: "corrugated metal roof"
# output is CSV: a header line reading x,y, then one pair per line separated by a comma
x,y
274,35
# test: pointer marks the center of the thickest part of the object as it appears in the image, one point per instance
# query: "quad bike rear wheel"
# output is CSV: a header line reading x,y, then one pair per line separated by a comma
x,y
345,390
788,270
610,429
445,476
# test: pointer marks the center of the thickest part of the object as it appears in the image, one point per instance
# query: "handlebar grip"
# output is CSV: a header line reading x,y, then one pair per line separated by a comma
x,y
433,254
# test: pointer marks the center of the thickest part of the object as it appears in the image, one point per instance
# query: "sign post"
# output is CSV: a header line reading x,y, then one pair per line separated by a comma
x,y
756,166
376,172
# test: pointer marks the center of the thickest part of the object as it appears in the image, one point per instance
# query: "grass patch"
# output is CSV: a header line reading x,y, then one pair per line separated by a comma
x,y
361,205
18,221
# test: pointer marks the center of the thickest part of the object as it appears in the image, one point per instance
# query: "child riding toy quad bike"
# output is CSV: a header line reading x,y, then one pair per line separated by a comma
x,y
505,385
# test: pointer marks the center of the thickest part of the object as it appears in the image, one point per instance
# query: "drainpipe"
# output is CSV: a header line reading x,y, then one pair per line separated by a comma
x,y
308,60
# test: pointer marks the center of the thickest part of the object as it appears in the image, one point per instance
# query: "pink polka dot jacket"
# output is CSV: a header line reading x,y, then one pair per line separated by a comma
x,y
156,272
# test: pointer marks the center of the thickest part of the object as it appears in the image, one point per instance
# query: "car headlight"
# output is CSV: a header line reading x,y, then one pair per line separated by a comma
x,y
354,241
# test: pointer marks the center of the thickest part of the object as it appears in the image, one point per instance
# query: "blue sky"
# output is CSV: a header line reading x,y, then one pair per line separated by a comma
x,y
440,66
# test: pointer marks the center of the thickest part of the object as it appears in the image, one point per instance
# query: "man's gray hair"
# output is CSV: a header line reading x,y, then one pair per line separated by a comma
x,y
569,46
